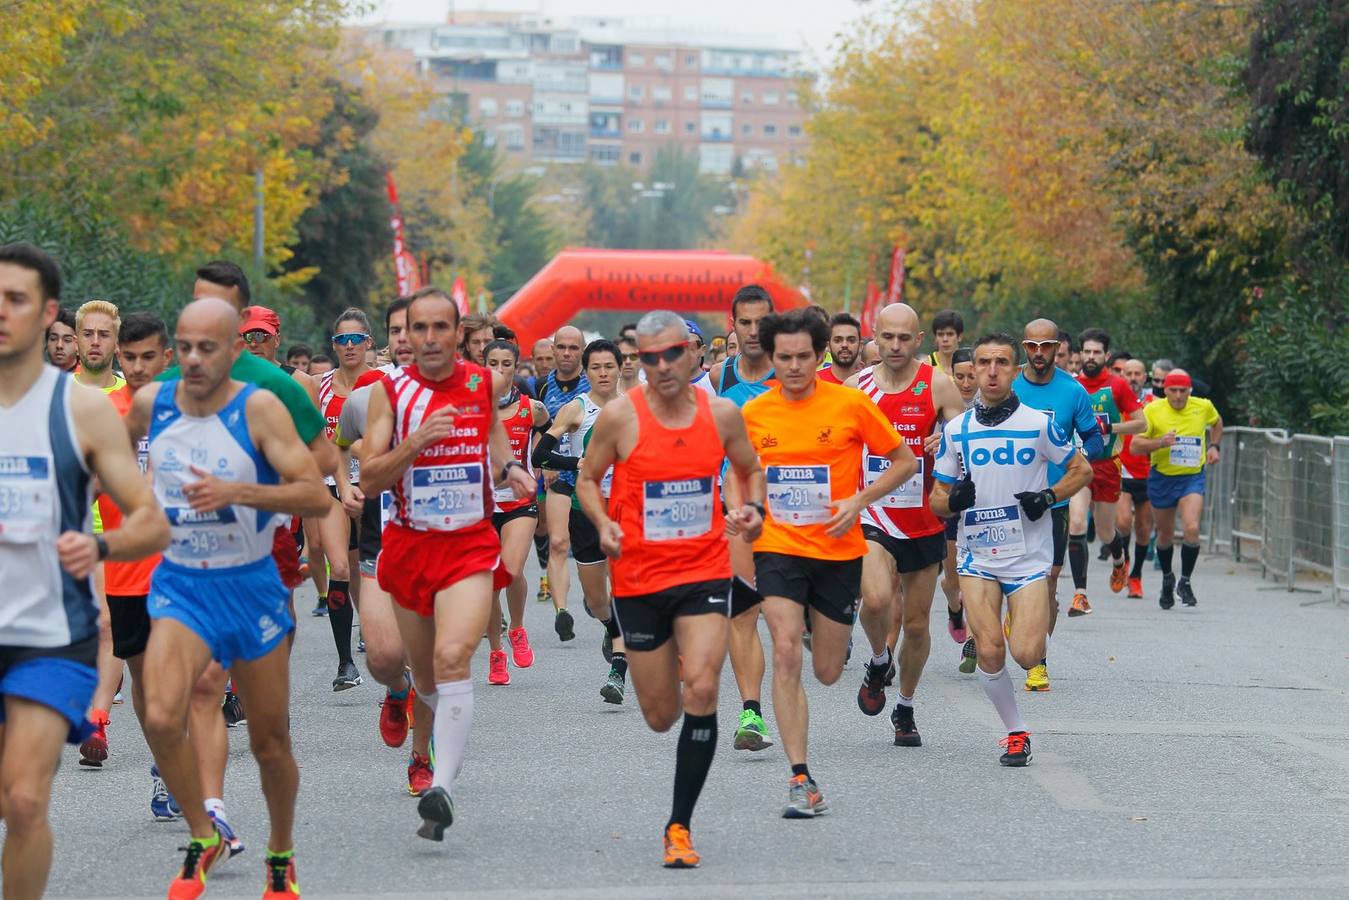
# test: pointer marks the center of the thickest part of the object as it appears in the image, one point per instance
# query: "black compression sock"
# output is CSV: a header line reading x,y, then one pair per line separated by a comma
x,y
340,617
1189,555
1117,548
753,706
1164,557
620,663
1140,557
693,759
611,626
541,549
800,769
1077,559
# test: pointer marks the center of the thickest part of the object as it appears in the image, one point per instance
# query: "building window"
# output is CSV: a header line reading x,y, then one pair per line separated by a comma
x,y
770,97
636,59
487,106
770,130
635,92
691,93
606,155
635,158
513,138
793,98
661,92
665,62
690,127
635,126
662,126
746,128
794,130
690,59
515,108
747,97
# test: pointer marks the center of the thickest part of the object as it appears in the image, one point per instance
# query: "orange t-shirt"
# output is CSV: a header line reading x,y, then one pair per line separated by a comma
x,y
125,579
811,451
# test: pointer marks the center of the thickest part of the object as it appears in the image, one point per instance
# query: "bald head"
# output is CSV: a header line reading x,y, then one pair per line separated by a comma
x,y
567,345
210,315
898,337
1041,330
207,342
897,316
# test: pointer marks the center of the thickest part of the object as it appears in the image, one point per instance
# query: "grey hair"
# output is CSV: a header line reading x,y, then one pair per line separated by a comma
x,y
1164,364
656,321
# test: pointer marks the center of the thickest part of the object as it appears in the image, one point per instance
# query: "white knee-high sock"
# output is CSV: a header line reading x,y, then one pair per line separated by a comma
x,y
454,719
998,687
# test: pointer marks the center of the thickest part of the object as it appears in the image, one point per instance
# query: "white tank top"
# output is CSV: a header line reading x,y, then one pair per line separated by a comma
x,y
220,444
44,491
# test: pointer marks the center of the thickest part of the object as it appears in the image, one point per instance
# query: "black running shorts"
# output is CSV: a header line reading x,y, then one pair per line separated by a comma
x,y
130,623
585,540
1137,488
647,621
828,585
911,554
499,519
370,532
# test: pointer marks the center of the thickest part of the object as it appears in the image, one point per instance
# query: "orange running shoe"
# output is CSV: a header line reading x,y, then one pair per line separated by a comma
x,y
280,873
393,717
1017,745
419,774
497,673
679,852
521,653
95,749
1118,575
1080,605
201,857
1136,588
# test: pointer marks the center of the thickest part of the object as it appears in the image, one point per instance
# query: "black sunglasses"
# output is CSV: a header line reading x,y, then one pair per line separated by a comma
x,y
669,354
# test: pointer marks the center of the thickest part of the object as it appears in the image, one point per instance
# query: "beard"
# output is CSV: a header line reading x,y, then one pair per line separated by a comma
x,y
1092,369
845,358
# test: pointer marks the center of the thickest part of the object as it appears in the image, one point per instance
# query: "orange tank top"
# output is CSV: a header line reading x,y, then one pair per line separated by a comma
x,y
667,500
125,579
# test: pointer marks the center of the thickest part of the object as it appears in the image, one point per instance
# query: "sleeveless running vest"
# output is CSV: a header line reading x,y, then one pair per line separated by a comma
x,y
667,501
904,513
736,388
448,486
220,444
330,405
554,398
44,491
580,440
519,427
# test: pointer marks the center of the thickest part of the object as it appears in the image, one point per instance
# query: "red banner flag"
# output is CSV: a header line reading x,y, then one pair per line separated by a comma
x,y
896,292
459,293
404,263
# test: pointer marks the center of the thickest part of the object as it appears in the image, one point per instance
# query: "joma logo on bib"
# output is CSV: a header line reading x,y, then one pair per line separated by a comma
x,y
440,476
989,515
789,474
676,488
1006,455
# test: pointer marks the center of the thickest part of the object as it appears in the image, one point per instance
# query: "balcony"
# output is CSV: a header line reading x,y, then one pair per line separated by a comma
x,y
715,103
605,132
715,137
607,66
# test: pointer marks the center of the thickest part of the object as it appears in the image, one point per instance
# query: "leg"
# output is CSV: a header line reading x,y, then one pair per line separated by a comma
x,y
318,563
335,534
178,657
878,597
919,588
701,641
1191,506
461,614
30,748
516,538
1166,535
828,649
559,545
206,730
950,583
264,684
383,645
109,666
747,656
983,606
1078,508
1030,618
789,698
594,578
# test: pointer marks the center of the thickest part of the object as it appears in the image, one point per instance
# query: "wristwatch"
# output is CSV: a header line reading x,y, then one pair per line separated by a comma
x,y
102,544
506,469
757,506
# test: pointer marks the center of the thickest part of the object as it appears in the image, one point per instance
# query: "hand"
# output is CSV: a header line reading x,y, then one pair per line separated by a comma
x,y
549,476
744,521
611,539
1212,456
931,444
961,497
78,553
521,482
1169,438
353,501
1035,503
848,510
435,427
209,494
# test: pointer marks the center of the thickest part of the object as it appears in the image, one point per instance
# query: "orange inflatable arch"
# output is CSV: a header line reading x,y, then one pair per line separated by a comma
x,y
683,281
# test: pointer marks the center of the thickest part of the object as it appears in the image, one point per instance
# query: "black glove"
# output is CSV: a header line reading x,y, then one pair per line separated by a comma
x,y
962,495
1036,502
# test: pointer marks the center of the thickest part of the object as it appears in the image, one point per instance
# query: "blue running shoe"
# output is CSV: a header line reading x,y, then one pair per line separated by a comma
x,y
227,834
162,805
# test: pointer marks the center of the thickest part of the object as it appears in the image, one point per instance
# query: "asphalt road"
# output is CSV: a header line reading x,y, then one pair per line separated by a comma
x,y
1196,753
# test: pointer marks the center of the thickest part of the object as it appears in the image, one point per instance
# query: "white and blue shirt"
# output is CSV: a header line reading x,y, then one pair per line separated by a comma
x,y
221,445
1003,460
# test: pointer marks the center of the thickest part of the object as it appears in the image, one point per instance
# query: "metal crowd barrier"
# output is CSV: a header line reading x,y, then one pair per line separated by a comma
x,y
1283,502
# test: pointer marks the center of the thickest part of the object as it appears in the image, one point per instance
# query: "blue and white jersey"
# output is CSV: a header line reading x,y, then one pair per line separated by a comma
x,y
553,398
44,491
219,444
1003,460
1068,404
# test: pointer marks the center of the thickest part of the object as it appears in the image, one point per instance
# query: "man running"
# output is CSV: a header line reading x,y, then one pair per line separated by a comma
x,y
993,471
1182,436
845,349
226,460
1134,512
58,437
947,329
905,542
61,348
810,437
428,439
564,384
667,548
962,373
627,376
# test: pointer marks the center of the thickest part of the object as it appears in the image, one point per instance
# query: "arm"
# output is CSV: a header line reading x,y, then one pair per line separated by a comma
x,y
1146,443
1215,435
544,455
386,464
601,454
745,518
1077,476
946,398
137,420
1135,423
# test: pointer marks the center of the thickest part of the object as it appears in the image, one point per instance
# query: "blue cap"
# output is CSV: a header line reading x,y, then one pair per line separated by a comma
x,y
694,329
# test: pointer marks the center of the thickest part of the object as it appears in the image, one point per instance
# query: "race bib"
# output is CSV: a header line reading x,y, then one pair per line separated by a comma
x,y
27,499
1103,423
799,495
994,535
607,483
447,498
385,510
354,471
908,495
143,454
205,540
676,509
1186,452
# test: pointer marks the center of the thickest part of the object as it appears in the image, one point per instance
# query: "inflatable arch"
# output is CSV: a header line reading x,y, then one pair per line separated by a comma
x,y
685,281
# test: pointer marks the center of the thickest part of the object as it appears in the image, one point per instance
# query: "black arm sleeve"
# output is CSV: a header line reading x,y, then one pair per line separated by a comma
x,y
546,457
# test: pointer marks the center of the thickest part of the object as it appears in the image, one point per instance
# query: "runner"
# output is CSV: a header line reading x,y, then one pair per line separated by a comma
x,y
745,374
905,542
226,460
811,437
1182,436
574,423
298,357
627,376
845,349
962,373
61,350
321,364
514,519
947,329
667,551
58,437
1044,385
439,549
544,361
1117,412
564,384
993,472
1134,512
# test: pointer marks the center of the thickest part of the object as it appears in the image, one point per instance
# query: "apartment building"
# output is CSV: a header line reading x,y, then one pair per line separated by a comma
x,y
610,91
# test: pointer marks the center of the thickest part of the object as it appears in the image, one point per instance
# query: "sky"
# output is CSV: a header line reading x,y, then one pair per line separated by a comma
x,y
806,25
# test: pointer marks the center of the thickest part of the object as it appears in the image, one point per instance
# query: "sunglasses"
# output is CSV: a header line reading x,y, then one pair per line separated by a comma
x,y
669,354
256,336
630,357
1039,346
350,339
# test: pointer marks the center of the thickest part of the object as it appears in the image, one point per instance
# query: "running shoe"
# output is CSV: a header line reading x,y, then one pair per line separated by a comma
x,y
281,879
891,671
1080,606
968,658
1017,746
348,677
162,805
497,673
564,625
437,812
871,693
607,647
804,800
614,685
1119,574
752,734
360,645
191,881
226,830
1104,553
95,748
1037,679
419,774
522,655
906,732
1135,588
955,625
233,710
393,715
679,852
1186,593
320,608
1168,597
117,698
544,595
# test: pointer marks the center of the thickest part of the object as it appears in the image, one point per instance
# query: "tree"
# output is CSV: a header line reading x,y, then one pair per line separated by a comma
x,y
675,207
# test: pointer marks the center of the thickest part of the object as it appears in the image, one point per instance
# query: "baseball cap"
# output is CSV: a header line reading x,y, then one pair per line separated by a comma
x,y
260,318
694,329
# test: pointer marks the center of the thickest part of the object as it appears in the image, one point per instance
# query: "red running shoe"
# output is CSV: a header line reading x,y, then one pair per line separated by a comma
x,y
95,749
419,774
497,673
521,653
394,719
